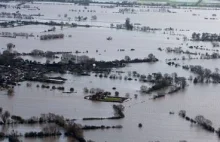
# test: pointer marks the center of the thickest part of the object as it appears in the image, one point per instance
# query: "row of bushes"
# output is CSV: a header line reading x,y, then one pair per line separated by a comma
x,y
86,127
200,120
101,118
41,134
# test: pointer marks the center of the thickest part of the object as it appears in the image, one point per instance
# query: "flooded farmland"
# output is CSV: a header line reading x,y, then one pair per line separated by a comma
x,y
168,28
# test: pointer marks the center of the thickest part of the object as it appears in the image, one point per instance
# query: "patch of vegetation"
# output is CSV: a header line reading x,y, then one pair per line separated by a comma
x,y
112,99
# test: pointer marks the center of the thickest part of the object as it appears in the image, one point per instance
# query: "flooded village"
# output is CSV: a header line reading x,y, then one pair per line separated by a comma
x,y
109,71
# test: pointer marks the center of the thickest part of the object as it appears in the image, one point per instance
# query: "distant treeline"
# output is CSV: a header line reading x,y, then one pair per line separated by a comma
x,y
128,4
87,2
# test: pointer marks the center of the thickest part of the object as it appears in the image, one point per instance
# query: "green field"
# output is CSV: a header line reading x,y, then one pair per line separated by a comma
x,y
112,99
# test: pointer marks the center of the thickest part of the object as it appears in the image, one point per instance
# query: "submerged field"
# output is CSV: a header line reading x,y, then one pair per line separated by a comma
x,y
158,124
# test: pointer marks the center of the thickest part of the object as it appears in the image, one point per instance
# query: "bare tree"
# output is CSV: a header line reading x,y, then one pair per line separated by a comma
x,y
53,128
10,46
94,17
144,89
200,119
182,113
5,116
127,58
1,110
86,90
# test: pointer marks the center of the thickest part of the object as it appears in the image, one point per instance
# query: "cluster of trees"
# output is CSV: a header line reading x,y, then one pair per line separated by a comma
x,y
51,23
48,130
199,120
51,36
37,52
119,110
214,55
149,58
93,17
182,113
82,2
205,123
128,24
4,115
161,81
206,56
44,118
178,50
42,134
71,129
134,27
98,96
52,129
12,137
87,127
75,130
118,114
204,74
205,37
80,18
9,49
127,10
92,90
74,10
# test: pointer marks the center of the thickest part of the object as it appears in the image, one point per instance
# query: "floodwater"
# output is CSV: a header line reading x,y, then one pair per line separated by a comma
x,y
158,125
